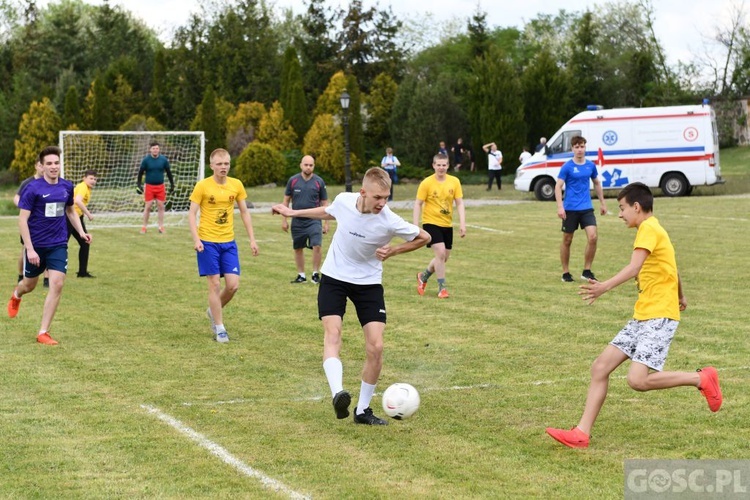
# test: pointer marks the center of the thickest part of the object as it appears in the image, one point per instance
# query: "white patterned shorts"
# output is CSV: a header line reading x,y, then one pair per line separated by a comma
x,y
647,342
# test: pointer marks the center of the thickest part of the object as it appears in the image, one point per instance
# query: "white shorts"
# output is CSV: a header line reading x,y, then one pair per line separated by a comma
x,y
647,342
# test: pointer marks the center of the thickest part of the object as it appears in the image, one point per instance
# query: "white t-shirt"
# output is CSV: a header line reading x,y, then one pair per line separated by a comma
x,y
351,256
493,160
524,156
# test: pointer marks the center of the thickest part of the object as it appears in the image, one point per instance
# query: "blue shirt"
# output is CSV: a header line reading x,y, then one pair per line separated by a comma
x,y
154,168
46,202
577,187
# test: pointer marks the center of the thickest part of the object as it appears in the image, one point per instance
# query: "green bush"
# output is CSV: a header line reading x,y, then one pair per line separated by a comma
x,y
260,164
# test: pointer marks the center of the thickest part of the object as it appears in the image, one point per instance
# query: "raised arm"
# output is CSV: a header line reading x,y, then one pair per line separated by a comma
x,y
487,147
311,213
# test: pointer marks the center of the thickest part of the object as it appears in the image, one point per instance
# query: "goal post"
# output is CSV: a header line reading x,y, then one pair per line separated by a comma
x,y
116,157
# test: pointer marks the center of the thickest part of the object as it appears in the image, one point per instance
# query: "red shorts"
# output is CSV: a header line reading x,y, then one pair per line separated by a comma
x,y
155,192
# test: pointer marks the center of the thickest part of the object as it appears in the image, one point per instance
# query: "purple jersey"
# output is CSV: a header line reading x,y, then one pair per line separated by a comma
x,y
47,202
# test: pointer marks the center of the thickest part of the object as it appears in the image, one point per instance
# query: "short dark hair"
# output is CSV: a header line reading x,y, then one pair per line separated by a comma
x,y
153,143
637,192
49,150
577,140
89,172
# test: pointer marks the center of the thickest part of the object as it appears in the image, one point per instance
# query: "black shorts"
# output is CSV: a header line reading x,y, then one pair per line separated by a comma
x,y
578,218
369,300
307,234
439,234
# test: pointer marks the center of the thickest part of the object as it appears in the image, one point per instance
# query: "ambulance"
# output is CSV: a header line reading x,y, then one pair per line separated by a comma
x,y
674,148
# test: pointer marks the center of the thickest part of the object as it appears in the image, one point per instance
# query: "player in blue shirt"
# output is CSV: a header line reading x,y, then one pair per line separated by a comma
x,y
577,210
44,206
154,165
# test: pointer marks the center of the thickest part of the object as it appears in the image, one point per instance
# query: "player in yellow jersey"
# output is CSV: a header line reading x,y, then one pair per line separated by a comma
x,y
213,240
435,199
646,338
81,198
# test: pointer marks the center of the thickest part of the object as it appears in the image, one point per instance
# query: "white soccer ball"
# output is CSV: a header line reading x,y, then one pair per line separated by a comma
x,y
400,401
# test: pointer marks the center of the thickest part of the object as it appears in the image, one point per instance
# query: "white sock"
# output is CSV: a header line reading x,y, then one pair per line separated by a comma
x,y
366,392
302,274
335,374
220,328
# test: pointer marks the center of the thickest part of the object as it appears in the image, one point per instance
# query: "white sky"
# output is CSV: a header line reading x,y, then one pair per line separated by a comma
x,y
682,26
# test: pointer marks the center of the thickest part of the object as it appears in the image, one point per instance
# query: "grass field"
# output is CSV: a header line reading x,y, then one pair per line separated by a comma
x,y
109,412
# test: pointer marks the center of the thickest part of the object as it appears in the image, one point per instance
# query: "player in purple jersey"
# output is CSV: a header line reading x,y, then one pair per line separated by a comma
x,y
44,206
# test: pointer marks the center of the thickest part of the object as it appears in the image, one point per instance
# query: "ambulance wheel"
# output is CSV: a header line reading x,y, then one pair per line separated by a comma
x,y
544,190
675,185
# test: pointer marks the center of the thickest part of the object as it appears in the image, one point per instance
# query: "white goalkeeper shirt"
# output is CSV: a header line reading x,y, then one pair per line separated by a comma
x,y
351,256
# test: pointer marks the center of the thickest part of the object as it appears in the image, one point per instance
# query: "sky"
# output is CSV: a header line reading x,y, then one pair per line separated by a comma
x,y
682,26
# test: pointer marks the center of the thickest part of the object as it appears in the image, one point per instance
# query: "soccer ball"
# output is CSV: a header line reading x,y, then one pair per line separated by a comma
x,y
400,401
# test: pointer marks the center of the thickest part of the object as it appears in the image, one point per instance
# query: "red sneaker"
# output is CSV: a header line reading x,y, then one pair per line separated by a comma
x,y
574,438
421,285
709,387
443,294
13,305
45,339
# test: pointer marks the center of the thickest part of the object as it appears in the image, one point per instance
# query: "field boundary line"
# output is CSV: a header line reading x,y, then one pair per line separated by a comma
x,y
220,452
489,229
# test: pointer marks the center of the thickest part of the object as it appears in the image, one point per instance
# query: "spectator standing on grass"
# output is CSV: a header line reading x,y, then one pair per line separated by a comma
x,y
646,338
494,165
458,154
154,165
576,209
38,172
436,196
353,269
45,204
215,198
306,190
390,164
81,198
525,155
442,150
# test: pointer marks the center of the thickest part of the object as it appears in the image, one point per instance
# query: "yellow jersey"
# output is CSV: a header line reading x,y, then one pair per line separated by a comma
x,y
438,199
83,190
657,281
216,203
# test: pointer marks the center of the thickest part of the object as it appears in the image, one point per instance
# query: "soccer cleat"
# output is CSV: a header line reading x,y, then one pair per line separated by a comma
x,y
368,418
341,402
143,230
709,387
13,305
316,278
161,229
45,339
574,438
421,285
587,275
299,279
443,294
85,275
211,319
567,278
222,337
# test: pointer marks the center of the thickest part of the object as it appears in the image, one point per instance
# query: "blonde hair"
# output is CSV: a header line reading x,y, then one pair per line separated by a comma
x,y
217,152
377,175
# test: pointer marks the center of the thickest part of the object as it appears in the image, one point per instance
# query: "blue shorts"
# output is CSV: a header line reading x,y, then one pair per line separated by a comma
x,y
218,258
52,259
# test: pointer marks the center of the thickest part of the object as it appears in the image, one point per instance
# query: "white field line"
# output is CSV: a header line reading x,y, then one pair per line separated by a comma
x,y
491,230
223,454
431,389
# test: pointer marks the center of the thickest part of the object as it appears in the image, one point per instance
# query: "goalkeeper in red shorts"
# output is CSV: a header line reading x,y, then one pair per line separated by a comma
x,y
154,165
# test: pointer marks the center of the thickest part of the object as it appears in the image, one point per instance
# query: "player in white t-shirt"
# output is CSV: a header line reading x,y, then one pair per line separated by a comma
x,y
353,269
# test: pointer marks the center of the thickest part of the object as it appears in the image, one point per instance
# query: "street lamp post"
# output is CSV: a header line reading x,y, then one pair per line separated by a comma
x,y
347,159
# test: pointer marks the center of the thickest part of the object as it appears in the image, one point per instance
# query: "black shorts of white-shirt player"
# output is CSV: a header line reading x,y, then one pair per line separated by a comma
x,y
368,300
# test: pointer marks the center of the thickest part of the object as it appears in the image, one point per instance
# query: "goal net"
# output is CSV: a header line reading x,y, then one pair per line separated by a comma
x,y
116,157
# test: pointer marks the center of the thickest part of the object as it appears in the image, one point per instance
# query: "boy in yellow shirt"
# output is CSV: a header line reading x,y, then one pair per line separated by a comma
x,y
436,196
81,198
215,197
646,338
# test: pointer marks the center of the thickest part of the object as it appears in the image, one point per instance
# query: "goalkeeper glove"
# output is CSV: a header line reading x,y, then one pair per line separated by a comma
x,y
139,189
171,189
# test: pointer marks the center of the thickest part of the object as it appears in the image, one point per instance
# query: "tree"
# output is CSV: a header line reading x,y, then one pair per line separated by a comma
x,y
72,110
478,37
356,132
39,128
98,113
585,68
158,104
325,142
141,123
329,102
243,125
275,131
379,106
316,48
260,164
293,98
208,121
